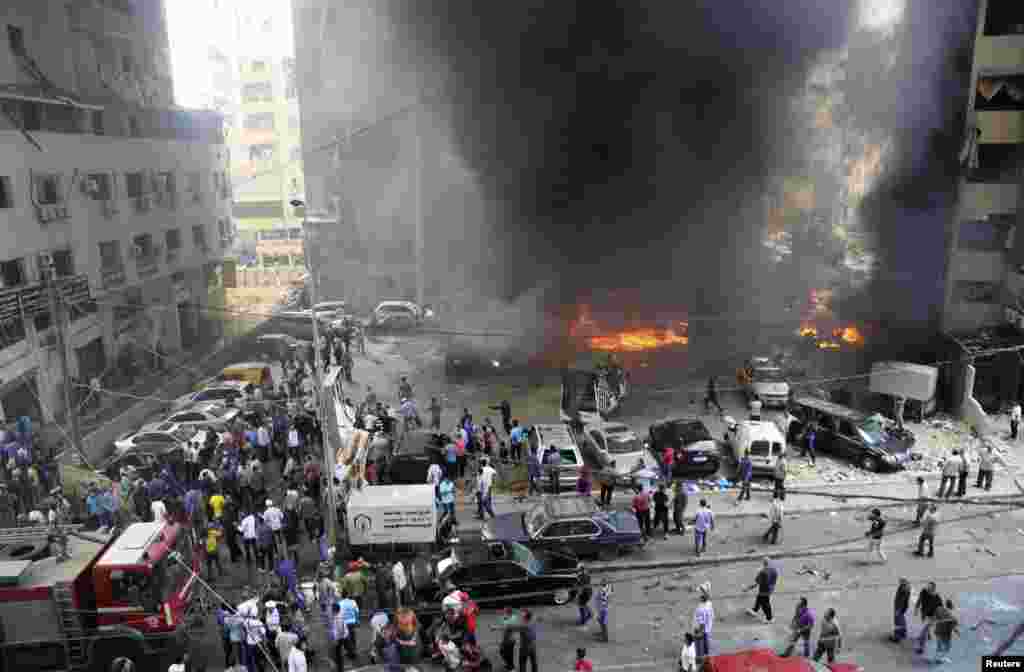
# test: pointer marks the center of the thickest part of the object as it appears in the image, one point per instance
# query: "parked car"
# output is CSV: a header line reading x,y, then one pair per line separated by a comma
x,y
696,452
542,437
767,381
165,434
615,447
767,660
206,415
397,315
283,346
145,464
492,572
574,524
760,439
865,440
228,391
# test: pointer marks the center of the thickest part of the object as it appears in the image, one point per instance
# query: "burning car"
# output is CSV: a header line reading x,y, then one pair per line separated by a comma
x,y
766,380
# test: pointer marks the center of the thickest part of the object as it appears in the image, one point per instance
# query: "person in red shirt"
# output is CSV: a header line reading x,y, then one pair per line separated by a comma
x,y
582,664
668,458
642,509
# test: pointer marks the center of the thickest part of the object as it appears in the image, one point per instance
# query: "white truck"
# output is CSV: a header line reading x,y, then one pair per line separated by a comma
x,y
913,382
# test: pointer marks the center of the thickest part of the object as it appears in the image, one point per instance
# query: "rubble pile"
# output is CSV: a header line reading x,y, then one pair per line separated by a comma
x,y
938,436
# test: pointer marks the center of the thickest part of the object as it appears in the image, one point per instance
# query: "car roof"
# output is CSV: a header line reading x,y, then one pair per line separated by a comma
x,y
162,427
762,429
611,427
838,410
477,551
570,507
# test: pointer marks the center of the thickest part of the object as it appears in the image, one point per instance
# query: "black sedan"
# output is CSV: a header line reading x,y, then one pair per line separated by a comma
x,y
145,464
496,572
696,452
568,525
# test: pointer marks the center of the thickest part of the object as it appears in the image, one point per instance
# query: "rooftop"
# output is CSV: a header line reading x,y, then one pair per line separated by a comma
x,y
48,571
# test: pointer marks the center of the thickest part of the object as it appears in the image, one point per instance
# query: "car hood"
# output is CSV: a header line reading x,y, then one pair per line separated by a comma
x,y
627,463
507,527
702,447
770,389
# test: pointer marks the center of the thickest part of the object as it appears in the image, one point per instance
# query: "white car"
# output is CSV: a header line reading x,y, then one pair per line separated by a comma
x,y
216,391
205,415
615,446
164,436
767,381
542,437
762,440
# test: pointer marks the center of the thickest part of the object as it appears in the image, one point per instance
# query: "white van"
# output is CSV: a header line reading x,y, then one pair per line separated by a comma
x,y
761,439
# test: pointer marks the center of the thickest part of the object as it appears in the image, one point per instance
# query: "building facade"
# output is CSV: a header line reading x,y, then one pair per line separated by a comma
x,y
126,193
985,259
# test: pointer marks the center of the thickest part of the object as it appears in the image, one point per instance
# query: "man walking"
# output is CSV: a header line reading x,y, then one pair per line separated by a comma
x,y
1015,413
928,602
928,525
876,533
802,626
950,472
553,463
901,603
779,476
487,476
809,440
527,642
764,582
946,625
986,465
775,513
583,600
703,622
746,474
703,523
515,441
678,506
830,639
961,487
642,511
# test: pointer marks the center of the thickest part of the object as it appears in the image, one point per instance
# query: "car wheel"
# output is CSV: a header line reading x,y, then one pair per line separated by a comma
x,y
562,596
869,463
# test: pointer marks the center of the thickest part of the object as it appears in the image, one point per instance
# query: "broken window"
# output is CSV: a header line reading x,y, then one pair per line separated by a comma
x,y
1000,94
985,235
975,292
12,273
6,195
47,189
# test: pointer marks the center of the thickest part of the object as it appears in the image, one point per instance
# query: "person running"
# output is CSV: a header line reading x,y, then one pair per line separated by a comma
x,y
764,582
583,600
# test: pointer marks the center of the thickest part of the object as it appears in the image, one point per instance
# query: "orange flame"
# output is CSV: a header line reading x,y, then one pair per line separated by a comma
x,y
807,331
828,345
637,340
852,336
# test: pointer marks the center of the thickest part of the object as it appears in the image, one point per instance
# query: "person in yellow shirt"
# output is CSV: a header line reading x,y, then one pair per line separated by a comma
x,y
214,533
217,504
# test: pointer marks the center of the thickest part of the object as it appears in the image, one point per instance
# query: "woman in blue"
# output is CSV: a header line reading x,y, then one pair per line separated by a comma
x,y
447,494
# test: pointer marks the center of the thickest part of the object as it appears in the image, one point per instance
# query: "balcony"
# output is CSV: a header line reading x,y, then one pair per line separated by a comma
x,y
112,277
50,212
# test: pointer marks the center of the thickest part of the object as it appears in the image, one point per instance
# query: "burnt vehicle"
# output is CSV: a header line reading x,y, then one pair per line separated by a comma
x,y
590,395
410,462
495,572
568,525
865,440
696,451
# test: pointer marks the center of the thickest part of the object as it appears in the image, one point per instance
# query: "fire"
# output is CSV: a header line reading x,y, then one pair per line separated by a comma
x,y
807,331
637,340
828,345
852,336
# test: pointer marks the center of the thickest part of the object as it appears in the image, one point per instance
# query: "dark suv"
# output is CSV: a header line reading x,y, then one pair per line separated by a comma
x,y
844,432
418,450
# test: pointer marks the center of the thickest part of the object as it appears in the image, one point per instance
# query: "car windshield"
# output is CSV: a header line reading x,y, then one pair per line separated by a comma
x,y
535,519
759,448
183,434
691,432
522,555
872,433
623,443
771,375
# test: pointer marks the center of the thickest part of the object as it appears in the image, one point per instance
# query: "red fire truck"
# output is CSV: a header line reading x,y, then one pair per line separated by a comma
x,y
108,598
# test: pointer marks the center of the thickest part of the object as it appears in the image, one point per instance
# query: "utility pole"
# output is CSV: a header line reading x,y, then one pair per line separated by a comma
x,y
59,318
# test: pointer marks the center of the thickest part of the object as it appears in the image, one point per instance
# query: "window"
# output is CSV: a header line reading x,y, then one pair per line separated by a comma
x,y
987,235
172,240
47,189
16,38
133,128
12,273
998,163
6,195
63,263
97,122
199,237
110,256
759,448
1004,17
134,184
562,528
975,292
261,152
257,92
127,63
98,186
583,528
259,66
259,122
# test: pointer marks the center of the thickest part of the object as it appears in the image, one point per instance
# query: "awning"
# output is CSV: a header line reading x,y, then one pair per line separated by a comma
x,y
37,94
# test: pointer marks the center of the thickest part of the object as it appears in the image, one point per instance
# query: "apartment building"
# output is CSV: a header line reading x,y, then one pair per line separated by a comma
x,y
985,260
99,171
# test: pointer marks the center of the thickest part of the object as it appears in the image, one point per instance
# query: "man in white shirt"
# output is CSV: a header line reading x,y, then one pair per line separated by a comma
x,y
159,511
400,581
486,483
263,442
250,608
255,635
284,642
248,529
297,657
192,460
950,474
688,654
274,518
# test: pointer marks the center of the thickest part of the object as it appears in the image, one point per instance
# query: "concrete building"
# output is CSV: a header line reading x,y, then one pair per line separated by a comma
x,y
128,194
985,260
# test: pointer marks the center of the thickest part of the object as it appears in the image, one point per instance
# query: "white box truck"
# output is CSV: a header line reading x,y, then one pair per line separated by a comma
x,y
385,520
914,382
